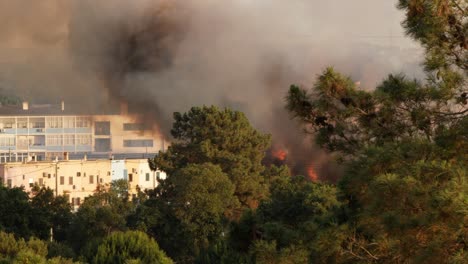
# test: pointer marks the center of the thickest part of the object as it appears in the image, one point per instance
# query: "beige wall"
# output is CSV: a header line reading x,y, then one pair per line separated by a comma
x,y
76,178
118,135
142,175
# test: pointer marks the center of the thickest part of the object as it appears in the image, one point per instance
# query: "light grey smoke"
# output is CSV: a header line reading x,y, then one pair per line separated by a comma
x,y
168,55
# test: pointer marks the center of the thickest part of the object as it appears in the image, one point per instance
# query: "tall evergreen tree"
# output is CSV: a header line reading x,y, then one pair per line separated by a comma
x,y
222,137
404,146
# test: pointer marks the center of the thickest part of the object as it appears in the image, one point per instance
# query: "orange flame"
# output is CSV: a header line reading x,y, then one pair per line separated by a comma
x,y
313,176
280,154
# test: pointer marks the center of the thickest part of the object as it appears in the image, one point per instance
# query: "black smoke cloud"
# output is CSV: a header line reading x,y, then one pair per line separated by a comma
x,y
162,56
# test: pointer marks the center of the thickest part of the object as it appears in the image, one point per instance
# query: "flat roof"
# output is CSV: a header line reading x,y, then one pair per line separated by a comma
x,y
68,161
56,110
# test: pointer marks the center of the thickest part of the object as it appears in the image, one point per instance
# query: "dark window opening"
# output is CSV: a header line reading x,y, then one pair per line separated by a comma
x,y
138,143
102,128
102,144
135,127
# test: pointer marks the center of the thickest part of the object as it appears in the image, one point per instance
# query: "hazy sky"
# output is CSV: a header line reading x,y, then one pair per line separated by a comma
x,y
311,33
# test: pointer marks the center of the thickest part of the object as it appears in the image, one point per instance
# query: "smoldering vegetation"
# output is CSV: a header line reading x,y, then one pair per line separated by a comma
x,y
161,56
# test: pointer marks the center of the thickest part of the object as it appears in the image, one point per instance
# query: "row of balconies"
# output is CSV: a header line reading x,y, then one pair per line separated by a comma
x,y
48,148
36,131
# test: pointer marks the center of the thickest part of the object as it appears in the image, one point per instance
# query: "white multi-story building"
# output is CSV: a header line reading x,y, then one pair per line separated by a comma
x,y
79,179
47,132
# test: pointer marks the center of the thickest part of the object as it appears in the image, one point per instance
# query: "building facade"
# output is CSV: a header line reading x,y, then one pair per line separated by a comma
x,y
79,179
48,132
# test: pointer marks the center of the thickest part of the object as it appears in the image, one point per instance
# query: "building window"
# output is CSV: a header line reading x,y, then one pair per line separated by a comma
x,y
54,122
9,183
102,128
102,144
134,127
138,143
7,142
83,140
7,122
91,179
62,180
54,140
37,122
22,123
78,174
83,121
147,176
130,177
69,122
70,180
41,182
77,201
69,140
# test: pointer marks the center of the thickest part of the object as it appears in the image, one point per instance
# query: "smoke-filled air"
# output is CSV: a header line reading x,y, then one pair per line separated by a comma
x,y
162,56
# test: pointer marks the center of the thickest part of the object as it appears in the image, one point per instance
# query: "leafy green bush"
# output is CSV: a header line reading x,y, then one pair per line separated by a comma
x,y
130,247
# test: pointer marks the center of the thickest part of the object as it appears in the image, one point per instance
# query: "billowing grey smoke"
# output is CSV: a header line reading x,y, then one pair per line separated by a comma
x,y
162,56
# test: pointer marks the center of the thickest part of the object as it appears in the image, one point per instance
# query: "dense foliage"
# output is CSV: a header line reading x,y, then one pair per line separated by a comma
x,y
404,146
222,137
36,216
19,251
130,247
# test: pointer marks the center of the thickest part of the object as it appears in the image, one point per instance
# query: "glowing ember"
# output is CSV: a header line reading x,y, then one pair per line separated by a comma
x,y
311,173
280,154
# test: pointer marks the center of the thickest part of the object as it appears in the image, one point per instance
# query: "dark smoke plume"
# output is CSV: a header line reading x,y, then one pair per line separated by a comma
x,y
161,56
119,51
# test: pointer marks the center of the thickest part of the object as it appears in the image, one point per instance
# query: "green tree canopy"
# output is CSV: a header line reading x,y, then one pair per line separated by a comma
x,y
130,247
222,137
347,120
50,212
19,251
188,212
100,215
200,195
404,146
15,211
441,27
285,227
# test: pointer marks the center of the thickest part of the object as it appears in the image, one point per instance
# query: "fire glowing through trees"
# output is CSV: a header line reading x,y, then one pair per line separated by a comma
x,y
311,173
279,157
280,154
